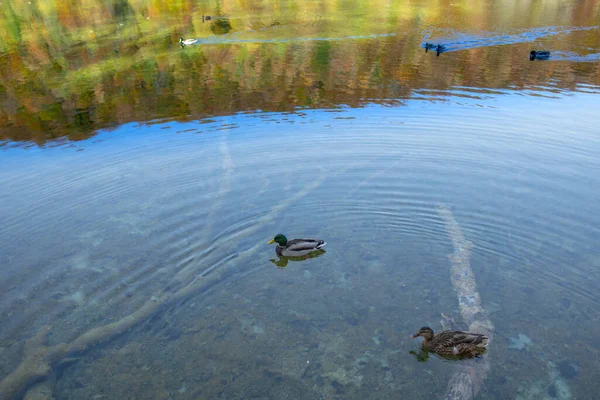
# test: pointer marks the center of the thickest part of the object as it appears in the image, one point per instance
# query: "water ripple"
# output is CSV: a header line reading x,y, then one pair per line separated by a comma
x,y
455,41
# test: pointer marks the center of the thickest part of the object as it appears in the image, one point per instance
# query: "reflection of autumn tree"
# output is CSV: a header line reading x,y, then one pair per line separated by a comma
x,y
69,68
221,25
121,9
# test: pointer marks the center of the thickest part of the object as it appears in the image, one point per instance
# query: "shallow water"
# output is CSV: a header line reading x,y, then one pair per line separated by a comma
x,y
136,172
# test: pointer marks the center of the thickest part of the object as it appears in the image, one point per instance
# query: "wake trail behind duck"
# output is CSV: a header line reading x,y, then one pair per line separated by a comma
x,y
463,41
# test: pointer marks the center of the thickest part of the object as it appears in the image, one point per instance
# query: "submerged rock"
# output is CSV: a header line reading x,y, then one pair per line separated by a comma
x,y
562,390
520,342
258,328
565,302
568,369
339,388
492,307
554,387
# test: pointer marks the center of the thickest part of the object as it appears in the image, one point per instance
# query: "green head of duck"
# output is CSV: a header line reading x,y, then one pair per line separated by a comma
x,y
279,239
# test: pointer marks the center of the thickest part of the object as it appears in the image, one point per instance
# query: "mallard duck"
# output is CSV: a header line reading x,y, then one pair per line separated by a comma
x,y
453,343
295,247
187,42
440,48
317,85
539,55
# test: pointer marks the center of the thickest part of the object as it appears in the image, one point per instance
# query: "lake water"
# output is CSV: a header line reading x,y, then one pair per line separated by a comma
x,y
141,181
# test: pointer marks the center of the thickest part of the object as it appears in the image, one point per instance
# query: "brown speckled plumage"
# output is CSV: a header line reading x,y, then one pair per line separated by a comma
x,y
453,343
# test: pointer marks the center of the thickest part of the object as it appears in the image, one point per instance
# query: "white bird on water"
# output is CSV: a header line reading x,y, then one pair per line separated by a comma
x,y
187,42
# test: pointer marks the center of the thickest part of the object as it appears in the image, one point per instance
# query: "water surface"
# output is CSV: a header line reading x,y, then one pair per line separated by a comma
x,y
132,168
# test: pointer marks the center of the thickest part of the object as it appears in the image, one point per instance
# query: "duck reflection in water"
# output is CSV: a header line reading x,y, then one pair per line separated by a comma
x,y
283,260
422,355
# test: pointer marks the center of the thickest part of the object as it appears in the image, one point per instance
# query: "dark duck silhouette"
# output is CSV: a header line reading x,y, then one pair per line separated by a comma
x,y
539,55
439,49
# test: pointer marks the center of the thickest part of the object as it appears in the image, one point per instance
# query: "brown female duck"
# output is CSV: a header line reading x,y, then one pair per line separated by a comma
x,y
453,343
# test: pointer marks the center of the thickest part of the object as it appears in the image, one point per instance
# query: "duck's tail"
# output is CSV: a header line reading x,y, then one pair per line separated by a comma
x,y
484,342
321,244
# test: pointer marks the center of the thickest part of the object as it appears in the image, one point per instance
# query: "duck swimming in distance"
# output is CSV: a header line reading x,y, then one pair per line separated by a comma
x,y
539,55
187,42
439,49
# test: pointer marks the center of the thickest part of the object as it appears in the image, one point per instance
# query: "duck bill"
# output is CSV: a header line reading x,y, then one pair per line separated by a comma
x,y
414,336
271,241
